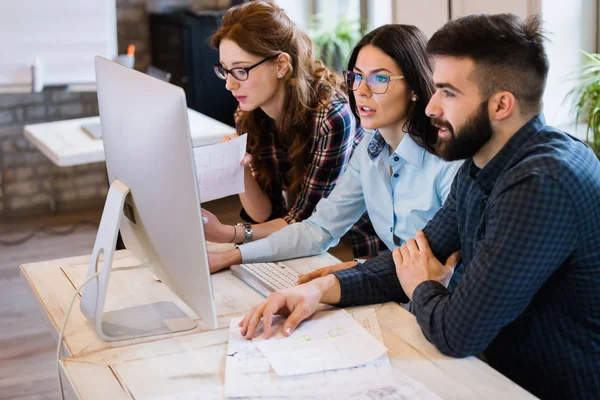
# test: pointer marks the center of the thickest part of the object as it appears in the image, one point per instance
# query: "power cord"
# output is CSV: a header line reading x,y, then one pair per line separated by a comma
x,y
62,331
48,231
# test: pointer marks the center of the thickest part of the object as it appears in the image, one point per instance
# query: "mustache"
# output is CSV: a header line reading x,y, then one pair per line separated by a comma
x,y
442,124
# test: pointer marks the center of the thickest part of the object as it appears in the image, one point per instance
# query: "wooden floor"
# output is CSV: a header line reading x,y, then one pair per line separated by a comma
x,y
27,350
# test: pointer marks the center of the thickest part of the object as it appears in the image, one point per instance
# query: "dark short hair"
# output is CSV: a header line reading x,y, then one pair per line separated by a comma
x,y
406,45
509,54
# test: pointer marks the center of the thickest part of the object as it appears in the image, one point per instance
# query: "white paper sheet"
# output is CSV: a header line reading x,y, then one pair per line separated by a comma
x,y
248,373
331,340
218,168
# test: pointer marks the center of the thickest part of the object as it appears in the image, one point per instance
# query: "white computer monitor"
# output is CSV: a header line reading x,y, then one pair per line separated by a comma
x,y
155,197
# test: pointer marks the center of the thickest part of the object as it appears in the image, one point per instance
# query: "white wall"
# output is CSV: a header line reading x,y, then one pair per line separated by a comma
x,y
428,15
380,12
299,11
570,28
64,34
460,8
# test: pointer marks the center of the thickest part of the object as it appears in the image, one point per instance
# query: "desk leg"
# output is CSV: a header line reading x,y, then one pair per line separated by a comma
x,y
52,194
120,245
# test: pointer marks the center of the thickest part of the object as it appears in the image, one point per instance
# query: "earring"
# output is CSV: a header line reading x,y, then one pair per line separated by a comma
x,y
414,97
280,75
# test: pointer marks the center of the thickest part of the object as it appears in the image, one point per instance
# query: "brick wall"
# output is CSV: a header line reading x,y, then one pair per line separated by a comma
x,y
132,28
29,182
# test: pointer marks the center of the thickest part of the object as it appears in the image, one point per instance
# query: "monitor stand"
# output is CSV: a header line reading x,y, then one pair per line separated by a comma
x,y
128,323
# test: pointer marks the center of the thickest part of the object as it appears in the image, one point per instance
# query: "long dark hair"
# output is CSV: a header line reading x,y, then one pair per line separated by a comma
x,y
406,44
265,30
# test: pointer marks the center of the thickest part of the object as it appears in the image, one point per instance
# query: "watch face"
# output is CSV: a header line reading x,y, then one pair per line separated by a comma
x,y
248,232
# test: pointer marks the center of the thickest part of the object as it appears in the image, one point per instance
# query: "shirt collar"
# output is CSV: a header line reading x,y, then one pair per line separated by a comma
x,y
376,145
487,176
407,149
411,151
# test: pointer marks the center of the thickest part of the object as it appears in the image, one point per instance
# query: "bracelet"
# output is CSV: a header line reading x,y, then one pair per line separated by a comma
x,y
234,232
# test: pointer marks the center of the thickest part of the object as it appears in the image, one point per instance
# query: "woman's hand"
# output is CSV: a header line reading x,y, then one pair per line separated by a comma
x,y
247,159
224,259
303,278
215,231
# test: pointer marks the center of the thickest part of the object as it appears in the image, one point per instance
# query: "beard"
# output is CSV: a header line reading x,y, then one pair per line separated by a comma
x,y
469,139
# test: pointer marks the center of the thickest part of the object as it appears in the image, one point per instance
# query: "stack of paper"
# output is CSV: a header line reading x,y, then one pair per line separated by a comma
x,y
331,356
329,341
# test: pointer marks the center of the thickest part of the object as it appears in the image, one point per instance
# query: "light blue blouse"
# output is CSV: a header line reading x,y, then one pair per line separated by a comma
x,y
400,202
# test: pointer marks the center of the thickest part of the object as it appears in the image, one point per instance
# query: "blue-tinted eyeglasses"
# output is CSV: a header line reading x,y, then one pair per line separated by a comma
x,y
377,84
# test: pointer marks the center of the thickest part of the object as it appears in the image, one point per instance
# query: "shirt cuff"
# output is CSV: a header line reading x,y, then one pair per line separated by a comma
x,y
348,279
425,291
258,251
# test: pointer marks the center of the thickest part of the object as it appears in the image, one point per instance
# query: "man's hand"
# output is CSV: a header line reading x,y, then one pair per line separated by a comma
x,y
415,263
299,302
303,278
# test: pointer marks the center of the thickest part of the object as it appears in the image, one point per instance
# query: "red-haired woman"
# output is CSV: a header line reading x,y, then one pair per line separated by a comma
x,y
301,131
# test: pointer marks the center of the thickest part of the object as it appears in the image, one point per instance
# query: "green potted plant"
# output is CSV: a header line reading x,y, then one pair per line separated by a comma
x,y
333,43
586,95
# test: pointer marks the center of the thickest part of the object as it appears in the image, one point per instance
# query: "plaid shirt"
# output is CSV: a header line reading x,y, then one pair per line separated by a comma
x,y
529,296
335,136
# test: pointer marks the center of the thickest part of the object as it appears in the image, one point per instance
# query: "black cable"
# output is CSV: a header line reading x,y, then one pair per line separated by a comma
x,y
48,231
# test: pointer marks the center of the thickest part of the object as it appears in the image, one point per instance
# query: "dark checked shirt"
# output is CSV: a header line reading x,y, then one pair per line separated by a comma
x,y
528,297
335,136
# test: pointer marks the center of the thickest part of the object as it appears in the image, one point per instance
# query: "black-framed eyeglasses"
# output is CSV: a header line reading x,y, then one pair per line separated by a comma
x,y
239,73
377,84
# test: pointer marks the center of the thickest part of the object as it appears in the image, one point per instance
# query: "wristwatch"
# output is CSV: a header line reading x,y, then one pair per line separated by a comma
x,y
247,232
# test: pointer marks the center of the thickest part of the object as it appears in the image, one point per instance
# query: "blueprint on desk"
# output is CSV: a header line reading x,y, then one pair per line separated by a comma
x,y
249,373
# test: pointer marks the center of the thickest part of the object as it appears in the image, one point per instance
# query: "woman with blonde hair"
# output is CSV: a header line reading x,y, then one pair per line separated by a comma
x,y
301,131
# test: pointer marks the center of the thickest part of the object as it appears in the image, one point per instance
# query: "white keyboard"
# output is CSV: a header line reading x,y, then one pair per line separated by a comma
x,y
266,278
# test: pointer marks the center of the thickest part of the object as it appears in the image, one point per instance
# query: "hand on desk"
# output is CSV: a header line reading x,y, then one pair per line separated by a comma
x,y
415,263
245,162
224,259
298,302
304,278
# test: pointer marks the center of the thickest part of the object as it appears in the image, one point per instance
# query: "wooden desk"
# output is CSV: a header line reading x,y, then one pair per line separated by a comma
x,y
66,144
192,364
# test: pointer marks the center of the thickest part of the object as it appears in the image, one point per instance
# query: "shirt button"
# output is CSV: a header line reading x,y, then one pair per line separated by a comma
x,y
391,229
396,175
396,158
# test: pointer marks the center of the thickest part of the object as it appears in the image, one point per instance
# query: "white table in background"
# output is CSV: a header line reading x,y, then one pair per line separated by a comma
x,y
66,144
